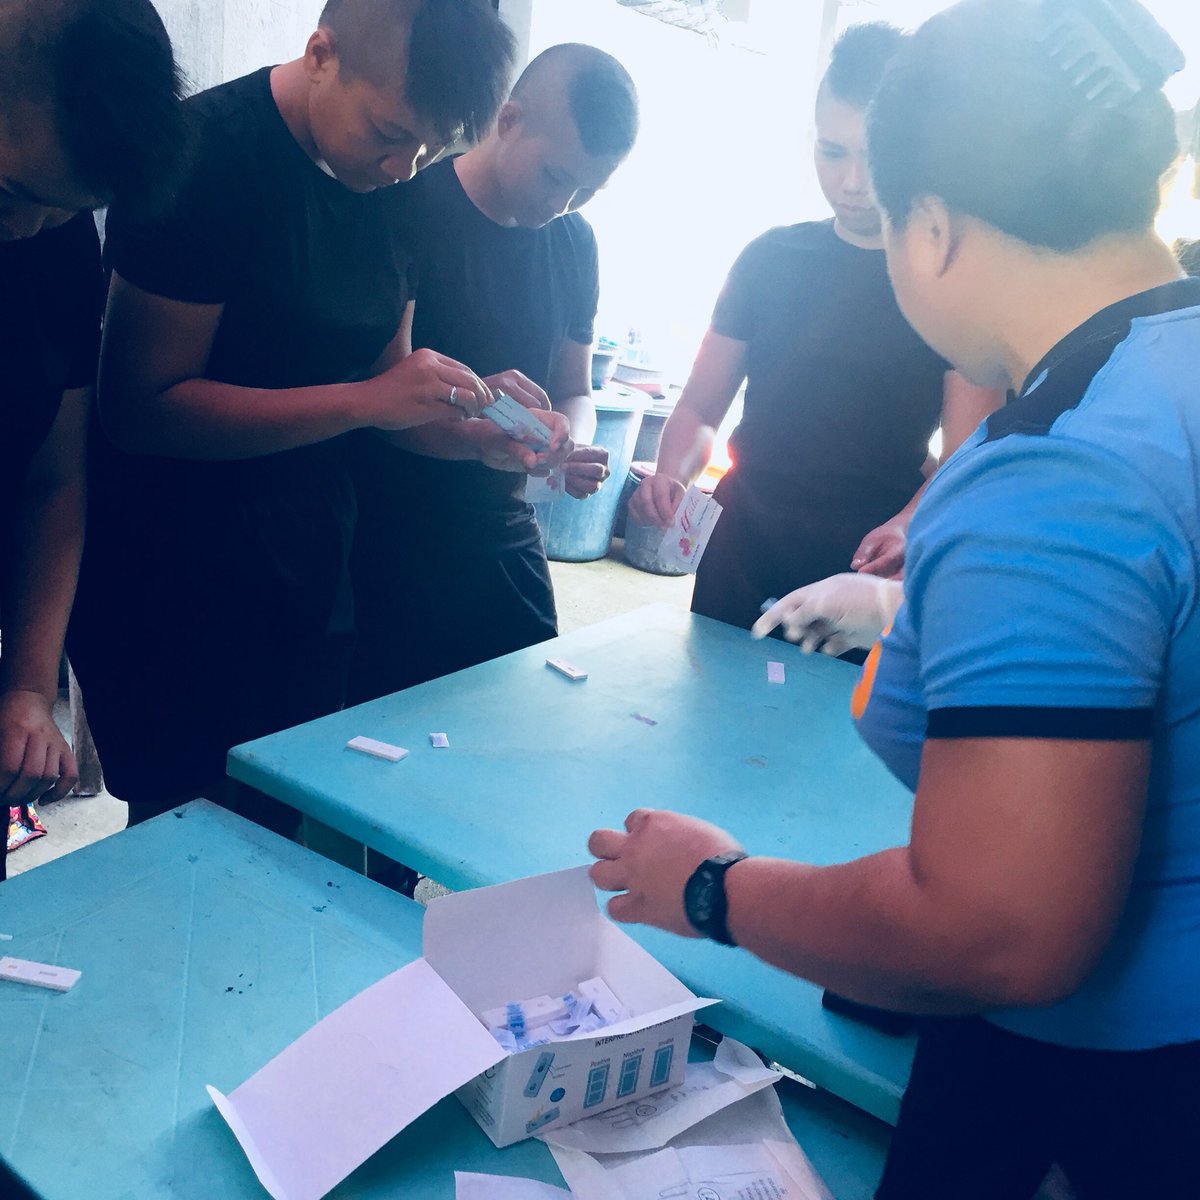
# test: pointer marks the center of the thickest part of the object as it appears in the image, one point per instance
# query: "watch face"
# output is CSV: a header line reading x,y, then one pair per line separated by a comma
x,y
699,898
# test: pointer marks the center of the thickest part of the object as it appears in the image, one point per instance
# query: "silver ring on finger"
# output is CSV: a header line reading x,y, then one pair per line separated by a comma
x,y
453,398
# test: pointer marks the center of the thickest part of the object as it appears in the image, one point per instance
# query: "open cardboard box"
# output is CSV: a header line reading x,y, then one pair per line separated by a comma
x,y
342,1090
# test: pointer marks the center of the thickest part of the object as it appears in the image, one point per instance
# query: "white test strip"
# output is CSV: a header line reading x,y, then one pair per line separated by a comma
x,y
6,937
565,668
775,672
366,745
439,741
43,975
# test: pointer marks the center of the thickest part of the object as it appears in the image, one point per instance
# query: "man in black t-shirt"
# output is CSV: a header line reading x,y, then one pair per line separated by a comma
x,y
75,130
449,567
841,398
260,318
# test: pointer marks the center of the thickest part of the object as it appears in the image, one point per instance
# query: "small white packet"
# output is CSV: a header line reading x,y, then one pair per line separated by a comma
x,y
545,489
683,545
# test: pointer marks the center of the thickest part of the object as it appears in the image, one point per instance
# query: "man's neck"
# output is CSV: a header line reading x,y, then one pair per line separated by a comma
x,y
478,179
861,240
289,90
1053,302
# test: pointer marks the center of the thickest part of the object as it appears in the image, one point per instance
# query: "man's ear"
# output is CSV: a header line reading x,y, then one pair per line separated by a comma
x,y
933,236
510,118
321,56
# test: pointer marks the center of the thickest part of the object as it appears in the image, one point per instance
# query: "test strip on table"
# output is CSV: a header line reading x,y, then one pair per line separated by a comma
x,y
775,673
35,974
366,745
439,741
565,668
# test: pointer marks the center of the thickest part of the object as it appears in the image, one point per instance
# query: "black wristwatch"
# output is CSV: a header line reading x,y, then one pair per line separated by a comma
x,y
704,897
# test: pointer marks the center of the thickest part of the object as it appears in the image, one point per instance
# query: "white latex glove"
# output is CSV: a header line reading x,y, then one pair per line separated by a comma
x,y
843,612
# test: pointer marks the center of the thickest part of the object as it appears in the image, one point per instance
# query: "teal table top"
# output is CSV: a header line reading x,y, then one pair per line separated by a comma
x,y
676,712
207,945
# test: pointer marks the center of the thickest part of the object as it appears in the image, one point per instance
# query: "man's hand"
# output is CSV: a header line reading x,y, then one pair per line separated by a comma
x,y
423,386
35,760
656,501
584,471
843,612
881,552
521,388
494,448
651,863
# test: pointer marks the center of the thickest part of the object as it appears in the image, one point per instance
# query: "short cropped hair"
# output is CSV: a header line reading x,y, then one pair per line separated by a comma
x,y
457,56
600,94
860,58
976,111
105,72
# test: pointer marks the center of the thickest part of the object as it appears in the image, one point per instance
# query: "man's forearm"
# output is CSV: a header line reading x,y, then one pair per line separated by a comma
x,y
452,440
864,929
686,447
203,419
43,578
580,410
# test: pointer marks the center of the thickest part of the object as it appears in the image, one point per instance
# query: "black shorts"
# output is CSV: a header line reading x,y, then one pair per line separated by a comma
x,y
987,1113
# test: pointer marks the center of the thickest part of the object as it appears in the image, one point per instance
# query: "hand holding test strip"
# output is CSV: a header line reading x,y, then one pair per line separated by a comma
x,y
519,422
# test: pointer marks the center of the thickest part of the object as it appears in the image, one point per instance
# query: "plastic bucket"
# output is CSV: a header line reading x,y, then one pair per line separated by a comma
x,y
637,472
582,530
643,544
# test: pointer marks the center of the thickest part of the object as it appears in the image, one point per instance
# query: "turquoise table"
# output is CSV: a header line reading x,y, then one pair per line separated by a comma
x,y
676,713
206,946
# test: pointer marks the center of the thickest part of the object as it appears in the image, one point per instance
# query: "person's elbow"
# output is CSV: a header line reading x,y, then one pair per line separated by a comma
x,y
1007,963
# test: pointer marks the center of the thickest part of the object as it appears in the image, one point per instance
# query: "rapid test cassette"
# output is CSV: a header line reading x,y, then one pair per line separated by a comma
x,y
518,422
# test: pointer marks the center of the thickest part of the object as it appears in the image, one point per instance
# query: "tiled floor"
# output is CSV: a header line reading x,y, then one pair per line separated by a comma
x,y
586,592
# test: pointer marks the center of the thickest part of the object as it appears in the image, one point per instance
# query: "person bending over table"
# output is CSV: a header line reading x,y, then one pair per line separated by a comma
x,y
842,396
1040,685
260,318
89,113
508,282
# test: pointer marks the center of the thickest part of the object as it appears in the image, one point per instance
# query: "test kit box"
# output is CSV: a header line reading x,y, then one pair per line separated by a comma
x,y
549,936
342,1090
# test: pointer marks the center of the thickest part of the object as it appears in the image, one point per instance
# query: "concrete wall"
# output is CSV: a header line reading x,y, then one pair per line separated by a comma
x,y
217,40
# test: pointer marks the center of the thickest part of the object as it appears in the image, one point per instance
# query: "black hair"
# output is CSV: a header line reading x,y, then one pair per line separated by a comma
x,y
600,94
107,74
860,58
457,56
974,110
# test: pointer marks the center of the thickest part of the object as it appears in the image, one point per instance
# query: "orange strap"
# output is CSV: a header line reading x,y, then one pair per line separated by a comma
x,y
866,681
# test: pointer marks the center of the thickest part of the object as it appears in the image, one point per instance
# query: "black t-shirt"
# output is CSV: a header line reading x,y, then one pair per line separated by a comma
x,y
493,297
51,296
314,280
842,396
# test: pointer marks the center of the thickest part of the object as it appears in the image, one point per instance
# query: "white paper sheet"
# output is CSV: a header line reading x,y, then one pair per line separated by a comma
x,y
748,1172
725,1132
469,1186
354,1080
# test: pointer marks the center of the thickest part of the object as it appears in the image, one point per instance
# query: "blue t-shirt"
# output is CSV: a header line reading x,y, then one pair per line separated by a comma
x,y
1051,591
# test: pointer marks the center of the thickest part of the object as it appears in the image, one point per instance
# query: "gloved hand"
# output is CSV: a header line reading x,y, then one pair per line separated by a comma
x,y
843,612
